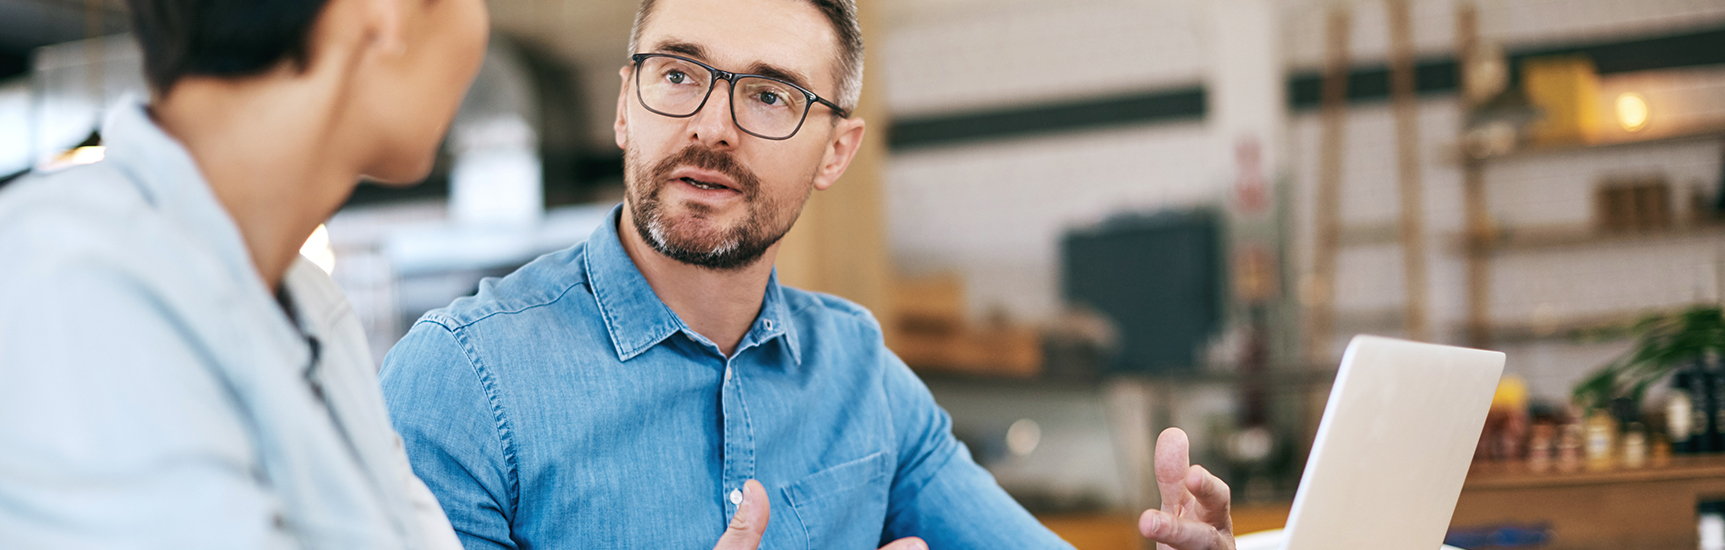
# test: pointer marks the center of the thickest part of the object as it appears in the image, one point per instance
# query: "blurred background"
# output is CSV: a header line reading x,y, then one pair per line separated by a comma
x,y
1084,221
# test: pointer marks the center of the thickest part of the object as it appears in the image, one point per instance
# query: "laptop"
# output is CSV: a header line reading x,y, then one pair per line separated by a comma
x,y
1393,448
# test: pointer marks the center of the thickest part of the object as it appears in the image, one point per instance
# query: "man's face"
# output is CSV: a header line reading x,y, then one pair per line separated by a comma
x,y
700,190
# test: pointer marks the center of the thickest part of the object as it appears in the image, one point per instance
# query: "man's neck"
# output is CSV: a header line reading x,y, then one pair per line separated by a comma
x,y
271,160
718,304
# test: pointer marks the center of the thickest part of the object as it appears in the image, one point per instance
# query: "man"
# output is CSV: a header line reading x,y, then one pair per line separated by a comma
x,y
172,374
619,393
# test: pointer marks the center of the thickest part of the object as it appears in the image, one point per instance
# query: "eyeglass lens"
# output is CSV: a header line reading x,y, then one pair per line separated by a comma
x,y
767,107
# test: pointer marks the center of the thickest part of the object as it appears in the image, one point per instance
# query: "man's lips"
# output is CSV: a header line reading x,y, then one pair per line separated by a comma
x,y
707,180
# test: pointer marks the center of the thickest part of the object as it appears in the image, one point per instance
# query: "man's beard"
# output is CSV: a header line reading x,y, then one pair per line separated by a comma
x,y
719,248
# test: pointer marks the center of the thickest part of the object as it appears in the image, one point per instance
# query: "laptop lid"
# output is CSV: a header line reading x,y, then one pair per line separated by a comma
x,y
1393,449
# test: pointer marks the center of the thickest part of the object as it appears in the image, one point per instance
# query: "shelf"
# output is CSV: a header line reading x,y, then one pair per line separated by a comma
x,y
1651,508
1355,321
1549,237
1515,475
1561,327
1677,135
1370,234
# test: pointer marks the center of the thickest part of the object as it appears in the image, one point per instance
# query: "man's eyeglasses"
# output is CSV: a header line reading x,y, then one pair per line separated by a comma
x,y
763,106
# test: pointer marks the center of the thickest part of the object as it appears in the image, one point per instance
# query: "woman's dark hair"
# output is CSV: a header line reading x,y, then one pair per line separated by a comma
x,y
221,37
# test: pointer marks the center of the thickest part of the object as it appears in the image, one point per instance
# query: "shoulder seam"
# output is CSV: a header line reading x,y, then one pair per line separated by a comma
x,y
449,321
825,299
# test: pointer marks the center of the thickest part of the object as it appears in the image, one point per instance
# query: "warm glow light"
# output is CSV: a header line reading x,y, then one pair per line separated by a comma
x,y
318,250
1632,111
1023,437
81,155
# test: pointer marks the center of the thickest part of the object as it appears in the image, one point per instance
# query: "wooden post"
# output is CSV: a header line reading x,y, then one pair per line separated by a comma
x,y
839,243
1320,306
1479,230
1404,103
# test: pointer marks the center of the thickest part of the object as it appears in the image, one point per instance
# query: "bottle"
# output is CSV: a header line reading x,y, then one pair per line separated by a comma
x,y
1711,525
1702,427
1680,413
1601,440
1569,447
1716,407
1634,445
1660,449
1541,447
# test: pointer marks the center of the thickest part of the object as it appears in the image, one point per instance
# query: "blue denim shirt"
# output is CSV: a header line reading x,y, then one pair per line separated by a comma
x,y
566,406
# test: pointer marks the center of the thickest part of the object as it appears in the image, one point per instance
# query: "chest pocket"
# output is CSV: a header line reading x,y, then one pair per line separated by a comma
x,y
840,507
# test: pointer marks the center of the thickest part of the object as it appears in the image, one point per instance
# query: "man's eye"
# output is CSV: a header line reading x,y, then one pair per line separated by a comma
x,y
676,77
769,98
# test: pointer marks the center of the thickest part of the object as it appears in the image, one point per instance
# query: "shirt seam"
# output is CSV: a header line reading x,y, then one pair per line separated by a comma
x,y
504,431
450,322
802,522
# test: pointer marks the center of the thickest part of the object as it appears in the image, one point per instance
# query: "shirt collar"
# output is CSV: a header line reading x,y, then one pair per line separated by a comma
x,y
636,318
170,180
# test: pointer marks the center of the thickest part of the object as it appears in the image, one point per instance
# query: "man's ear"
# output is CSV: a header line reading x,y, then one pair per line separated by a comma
x,y
847,138
621,125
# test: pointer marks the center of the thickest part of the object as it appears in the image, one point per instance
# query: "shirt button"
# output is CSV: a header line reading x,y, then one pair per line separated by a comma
x,y
736,497
727,374
769,323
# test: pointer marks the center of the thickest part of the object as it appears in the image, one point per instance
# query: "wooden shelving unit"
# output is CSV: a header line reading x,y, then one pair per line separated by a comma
x,y
1572,327
1628,509
1536,238
1675,135
1483,240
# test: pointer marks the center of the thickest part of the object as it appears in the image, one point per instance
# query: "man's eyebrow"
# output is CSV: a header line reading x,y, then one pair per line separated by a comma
x,y
774,71
686,49
695,51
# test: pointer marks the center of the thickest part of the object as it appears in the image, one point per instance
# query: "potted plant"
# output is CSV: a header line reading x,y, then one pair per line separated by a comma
x,y
1664,343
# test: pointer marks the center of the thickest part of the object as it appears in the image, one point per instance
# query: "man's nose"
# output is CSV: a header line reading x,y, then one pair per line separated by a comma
x,y
713,125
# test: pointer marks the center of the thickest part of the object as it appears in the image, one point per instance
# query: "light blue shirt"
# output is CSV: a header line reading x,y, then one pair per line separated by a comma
x,y
153,392
566,406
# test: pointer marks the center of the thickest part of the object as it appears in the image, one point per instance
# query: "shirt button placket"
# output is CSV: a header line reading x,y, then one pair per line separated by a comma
x,y
739,460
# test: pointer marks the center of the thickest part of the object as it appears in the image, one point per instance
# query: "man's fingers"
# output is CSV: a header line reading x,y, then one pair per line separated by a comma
x,y
1173,460
1182,533
750,521
907,543
1213,497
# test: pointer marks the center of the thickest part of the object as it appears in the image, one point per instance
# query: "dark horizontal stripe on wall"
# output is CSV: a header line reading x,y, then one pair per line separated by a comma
x,y
1156,106
1438,75
1431,76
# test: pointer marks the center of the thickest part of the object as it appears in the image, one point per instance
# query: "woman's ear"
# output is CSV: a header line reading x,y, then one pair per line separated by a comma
x,y
351,34
385,27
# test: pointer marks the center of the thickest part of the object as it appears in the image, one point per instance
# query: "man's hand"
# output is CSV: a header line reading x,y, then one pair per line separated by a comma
x,y
750,522
1194,514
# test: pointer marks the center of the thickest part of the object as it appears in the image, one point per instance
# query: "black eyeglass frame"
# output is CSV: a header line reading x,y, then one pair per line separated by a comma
x,y
720,74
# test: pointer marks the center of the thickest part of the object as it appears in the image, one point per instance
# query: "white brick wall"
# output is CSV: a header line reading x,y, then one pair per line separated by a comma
x,y
1511,22
995,211
937,61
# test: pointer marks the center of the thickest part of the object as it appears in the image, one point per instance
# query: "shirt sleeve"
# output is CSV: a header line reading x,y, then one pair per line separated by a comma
x,y
453,434
938,492
114,431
